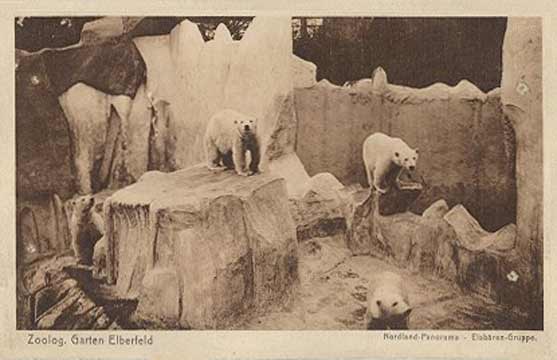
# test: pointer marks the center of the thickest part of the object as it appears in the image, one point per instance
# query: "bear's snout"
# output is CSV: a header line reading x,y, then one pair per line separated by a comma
x,y
246,127
411,167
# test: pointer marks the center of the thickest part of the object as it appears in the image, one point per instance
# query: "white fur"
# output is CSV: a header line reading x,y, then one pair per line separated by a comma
x,y
381,153
387,298
81,220
226,132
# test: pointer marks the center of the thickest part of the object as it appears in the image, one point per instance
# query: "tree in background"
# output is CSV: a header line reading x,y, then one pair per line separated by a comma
x,y
414,51
236,25
35,33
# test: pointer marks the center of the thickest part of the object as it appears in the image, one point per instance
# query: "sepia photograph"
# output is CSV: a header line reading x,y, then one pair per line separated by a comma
x,y
278,173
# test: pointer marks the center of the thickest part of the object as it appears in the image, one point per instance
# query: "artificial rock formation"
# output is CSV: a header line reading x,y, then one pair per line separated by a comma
x,y
42,138
162,126
319,212
197,79
111,134
445,243
521,96
466,155
49,298
304,72
201,249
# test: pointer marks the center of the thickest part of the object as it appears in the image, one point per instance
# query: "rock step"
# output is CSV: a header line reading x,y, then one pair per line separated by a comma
x,y
199,248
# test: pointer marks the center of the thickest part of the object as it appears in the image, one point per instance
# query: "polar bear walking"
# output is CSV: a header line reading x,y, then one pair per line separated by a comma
x,y
384,154
230,134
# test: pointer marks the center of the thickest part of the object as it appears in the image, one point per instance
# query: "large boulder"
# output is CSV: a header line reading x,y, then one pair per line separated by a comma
x,y
487,263
222,245
473,237
42,227
319,212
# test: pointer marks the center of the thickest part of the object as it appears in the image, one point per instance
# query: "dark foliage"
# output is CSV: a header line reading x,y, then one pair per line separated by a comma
x,y
413,51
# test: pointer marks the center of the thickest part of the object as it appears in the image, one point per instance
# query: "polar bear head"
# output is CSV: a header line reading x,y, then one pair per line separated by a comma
x,y
406,157
83,204
388,307
80,207
246,126
387,304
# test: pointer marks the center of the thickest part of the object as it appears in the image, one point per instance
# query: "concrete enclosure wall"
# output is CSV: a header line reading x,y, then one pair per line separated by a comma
x,y
466,145
521,95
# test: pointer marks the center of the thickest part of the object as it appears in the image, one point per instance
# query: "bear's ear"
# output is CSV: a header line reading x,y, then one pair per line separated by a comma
x,y
397,154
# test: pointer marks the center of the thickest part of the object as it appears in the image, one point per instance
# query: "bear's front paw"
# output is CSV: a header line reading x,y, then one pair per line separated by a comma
x,y
243,173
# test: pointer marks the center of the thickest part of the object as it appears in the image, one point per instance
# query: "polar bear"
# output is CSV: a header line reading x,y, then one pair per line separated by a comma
x,y
229,136
385,156
86,228
387,303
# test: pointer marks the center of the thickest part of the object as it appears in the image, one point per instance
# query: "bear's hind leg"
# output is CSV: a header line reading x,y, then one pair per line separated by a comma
x,y
213,156
227,160
379,175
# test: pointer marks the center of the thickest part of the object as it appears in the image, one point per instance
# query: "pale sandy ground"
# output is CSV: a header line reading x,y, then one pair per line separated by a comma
x,y
333,288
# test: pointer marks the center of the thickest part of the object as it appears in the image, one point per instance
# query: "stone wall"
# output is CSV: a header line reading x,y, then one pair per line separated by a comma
x,y
466,146
521,96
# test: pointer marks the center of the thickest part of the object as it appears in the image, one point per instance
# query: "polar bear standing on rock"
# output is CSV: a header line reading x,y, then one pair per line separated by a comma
x,y
384,156
229,136
388,306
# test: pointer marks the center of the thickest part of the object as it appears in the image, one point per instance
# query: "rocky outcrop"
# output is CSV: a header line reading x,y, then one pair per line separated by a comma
x,y
42,228
43,151
200,249
181,66
445,243
319,211
521,96
107,28
111,136
50,297
466,155
304,72
54,158
163,125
